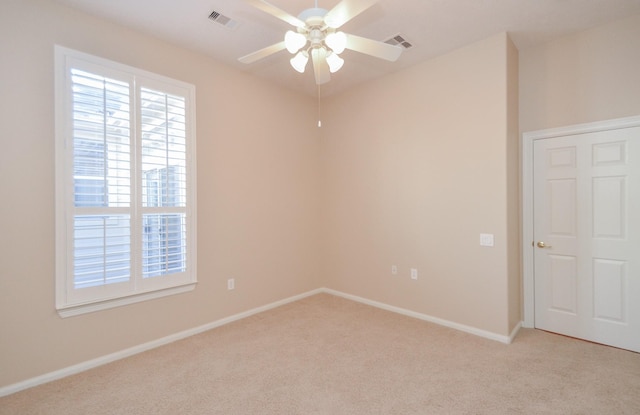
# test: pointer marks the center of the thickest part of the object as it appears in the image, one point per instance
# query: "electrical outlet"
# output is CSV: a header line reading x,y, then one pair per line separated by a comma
x,y
414,273
394,270
231,284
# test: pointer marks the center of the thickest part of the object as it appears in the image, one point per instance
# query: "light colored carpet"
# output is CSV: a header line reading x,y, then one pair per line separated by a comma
x,y
328,355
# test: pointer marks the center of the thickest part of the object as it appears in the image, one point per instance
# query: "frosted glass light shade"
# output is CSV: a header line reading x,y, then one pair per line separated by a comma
x,y
299,62
335,62
336,41
294,41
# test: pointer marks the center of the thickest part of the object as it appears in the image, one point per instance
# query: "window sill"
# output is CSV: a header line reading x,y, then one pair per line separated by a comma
x,y
77,310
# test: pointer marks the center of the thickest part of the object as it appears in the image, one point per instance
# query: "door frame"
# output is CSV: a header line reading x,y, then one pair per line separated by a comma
x,y
528,139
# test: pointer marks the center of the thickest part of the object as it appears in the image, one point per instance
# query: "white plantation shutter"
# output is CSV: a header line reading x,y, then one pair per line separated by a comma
x,y
101,175
101,140
164,246
125,174
164,183
102,250
164,146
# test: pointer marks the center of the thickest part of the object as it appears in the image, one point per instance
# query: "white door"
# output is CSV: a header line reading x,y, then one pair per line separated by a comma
x,y
586,214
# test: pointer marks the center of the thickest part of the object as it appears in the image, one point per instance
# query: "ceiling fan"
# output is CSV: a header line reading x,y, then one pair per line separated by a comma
x,y
317,36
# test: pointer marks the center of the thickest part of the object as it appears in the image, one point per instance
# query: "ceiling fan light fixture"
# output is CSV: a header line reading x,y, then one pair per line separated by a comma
x,y
299,62
334,61
337,41
294,41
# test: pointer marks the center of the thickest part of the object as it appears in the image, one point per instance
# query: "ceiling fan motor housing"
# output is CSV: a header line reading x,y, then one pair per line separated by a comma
x,y
315,13
315,29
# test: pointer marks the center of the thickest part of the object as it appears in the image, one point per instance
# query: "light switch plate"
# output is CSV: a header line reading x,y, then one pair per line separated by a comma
x,y
486,239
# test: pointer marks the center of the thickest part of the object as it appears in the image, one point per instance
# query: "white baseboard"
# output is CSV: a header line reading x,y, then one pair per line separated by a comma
x,y
431,319
90,364
514,332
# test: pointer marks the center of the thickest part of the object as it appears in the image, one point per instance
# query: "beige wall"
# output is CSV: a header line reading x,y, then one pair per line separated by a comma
x,y
258,180
415,167
584,77
514,238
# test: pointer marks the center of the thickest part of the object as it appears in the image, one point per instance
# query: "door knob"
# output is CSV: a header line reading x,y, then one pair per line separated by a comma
x,y
543,245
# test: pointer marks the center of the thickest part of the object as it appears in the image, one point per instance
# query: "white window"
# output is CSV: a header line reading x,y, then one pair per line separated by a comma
x,y
125,184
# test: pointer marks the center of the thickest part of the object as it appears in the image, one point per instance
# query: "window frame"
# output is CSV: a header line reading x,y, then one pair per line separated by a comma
x,y
69,300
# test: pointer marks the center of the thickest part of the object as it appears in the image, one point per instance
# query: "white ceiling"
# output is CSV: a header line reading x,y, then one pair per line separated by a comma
x,y
434,27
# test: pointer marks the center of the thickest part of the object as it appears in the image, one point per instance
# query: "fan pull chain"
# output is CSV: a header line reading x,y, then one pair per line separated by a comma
x,y
319,120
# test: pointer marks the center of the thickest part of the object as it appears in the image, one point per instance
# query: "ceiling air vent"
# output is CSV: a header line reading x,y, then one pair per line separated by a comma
x,y
223,20
399,40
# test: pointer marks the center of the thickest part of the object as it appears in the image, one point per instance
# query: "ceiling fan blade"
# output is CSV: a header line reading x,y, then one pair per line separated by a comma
x,y
373,47
263,53
345,11
276,12
320,66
